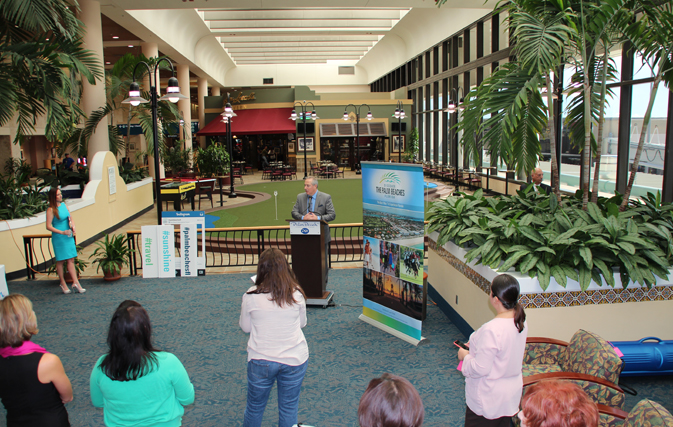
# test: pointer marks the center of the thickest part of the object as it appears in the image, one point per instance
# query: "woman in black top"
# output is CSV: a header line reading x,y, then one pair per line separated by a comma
x,y
33,384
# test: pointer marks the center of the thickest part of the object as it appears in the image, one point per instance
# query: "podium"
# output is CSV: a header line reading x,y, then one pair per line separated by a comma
x,y
309,259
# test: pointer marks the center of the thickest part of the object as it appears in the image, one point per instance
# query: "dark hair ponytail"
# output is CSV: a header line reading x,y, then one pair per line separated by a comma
x,y
506,289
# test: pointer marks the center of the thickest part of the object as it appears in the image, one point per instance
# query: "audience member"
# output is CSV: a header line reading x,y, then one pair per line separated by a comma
x,y
273,312
390,401
134,383
492,365
536,176
557,404
33,383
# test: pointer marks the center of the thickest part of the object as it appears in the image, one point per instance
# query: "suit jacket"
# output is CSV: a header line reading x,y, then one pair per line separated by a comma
x,y
323,207
542,186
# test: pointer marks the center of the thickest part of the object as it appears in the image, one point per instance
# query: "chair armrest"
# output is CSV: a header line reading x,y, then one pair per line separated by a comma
x,y
613,412
545,340
532,379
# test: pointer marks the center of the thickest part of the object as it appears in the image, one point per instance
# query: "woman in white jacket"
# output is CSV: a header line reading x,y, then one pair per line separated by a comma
x,y
273,313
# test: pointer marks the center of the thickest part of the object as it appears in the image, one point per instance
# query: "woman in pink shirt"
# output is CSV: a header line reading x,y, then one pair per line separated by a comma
x,y
492,365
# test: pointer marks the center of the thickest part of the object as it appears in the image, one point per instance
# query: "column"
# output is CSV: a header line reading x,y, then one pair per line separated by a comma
x,y
185,105
93,96
150,50
215,91
203,92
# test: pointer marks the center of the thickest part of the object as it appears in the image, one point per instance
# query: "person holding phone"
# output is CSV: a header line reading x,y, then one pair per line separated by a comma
x,y
493,362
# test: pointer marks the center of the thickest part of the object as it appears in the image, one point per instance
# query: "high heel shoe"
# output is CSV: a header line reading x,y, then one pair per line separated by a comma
x,y
65,290
78,288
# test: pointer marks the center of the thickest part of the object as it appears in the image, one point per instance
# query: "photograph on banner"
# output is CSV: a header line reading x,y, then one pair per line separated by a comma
x,y
371,253
411,264
404,228
389,254
404,297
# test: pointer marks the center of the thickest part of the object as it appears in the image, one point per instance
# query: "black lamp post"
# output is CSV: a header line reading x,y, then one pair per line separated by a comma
x,y
358,171
399,115
303,115
173,95
455,105
227,116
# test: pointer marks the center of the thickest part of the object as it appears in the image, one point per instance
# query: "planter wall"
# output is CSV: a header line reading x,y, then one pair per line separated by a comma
x,y
613,313
96,211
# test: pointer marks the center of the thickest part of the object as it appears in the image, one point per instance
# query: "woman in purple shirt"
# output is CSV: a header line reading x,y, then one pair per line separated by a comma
x,y
492,365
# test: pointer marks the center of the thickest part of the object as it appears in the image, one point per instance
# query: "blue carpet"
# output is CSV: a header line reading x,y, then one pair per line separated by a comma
x,y
197,319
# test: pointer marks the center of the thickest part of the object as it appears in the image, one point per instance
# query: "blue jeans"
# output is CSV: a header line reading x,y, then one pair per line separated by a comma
x,y
261,376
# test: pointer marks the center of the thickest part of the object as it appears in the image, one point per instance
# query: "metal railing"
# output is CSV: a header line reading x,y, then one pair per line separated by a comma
x,y
225,247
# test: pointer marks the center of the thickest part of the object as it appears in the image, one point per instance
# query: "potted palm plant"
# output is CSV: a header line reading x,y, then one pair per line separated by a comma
x,y
80,266
110,255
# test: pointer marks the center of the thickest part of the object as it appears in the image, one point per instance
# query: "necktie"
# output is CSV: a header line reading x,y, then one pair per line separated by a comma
x,y
308,204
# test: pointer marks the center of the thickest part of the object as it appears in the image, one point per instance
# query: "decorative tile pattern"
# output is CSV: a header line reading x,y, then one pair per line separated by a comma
x,y
561,299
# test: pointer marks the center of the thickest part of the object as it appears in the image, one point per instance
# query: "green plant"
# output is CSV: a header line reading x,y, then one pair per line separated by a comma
x,y
79,176
130,174
411,151
111,254
538,236
212,161
176,159
19,201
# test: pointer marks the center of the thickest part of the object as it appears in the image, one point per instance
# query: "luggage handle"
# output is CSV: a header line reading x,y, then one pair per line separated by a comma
x,y
650,338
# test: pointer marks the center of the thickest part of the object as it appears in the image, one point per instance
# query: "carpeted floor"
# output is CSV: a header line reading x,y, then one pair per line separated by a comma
x,y
197,319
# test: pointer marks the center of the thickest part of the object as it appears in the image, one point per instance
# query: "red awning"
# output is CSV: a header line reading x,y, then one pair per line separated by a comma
x,y
253,122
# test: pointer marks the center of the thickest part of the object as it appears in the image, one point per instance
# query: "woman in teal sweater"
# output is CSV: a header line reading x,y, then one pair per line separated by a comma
x,y
136,384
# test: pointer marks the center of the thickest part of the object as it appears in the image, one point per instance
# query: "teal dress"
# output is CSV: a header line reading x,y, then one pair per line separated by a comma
x,y
64,246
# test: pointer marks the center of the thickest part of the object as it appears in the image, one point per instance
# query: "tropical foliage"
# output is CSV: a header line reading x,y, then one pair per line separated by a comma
x,y
176,159
411,150
18,200
212,161
538,236
130,174
42,64
111,254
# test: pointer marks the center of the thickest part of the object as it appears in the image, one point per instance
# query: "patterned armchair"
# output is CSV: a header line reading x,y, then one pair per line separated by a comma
x,y
588,360
587,353
646,413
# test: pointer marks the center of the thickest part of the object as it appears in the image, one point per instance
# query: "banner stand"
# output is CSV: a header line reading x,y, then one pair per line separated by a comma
x,y
390,330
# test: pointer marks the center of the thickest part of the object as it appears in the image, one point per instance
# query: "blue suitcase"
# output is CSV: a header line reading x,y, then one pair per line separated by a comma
x,y
648,356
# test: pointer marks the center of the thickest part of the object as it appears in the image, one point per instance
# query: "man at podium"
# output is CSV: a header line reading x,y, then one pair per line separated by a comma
x,y
314,204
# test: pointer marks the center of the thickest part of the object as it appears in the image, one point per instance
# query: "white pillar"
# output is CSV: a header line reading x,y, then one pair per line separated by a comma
x,y
93,96
185,105
150,50
215,91
203,92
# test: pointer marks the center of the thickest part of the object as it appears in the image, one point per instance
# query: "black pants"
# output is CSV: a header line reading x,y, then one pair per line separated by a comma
x,y
474,420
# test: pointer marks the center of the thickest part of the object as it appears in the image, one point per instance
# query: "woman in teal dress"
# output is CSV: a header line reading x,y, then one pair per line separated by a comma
x,y
62,228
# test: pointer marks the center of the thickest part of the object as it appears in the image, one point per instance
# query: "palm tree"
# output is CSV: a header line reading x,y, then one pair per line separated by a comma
x,y
42,63
652,36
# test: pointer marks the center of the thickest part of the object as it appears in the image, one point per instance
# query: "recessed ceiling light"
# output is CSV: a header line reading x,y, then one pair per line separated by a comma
x,y
115,37
130,45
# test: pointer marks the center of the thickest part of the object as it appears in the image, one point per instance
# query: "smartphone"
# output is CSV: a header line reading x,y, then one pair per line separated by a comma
x,y
461,345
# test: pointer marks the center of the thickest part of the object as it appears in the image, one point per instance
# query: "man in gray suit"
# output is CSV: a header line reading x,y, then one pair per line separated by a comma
x,y
314,204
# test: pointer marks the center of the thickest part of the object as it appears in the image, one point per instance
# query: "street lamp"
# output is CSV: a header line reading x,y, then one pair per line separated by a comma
x,y
172,94
357,126
399,115
303,115
227,115
455,105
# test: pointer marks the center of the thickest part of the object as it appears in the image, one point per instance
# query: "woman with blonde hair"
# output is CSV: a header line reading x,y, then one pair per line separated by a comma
x,y
492,366
273,312
33,383
62,228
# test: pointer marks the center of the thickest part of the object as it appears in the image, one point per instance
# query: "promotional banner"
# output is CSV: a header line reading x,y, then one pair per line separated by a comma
x,y
157,250
194,265
393,216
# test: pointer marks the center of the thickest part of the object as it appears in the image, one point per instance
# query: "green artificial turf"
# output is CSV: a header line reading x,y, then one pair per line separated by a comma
x,y
346,197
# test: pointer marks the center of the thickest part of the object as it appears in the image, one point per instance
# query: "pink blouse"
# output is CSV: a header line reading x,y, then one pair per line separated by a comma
x,y
492,369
